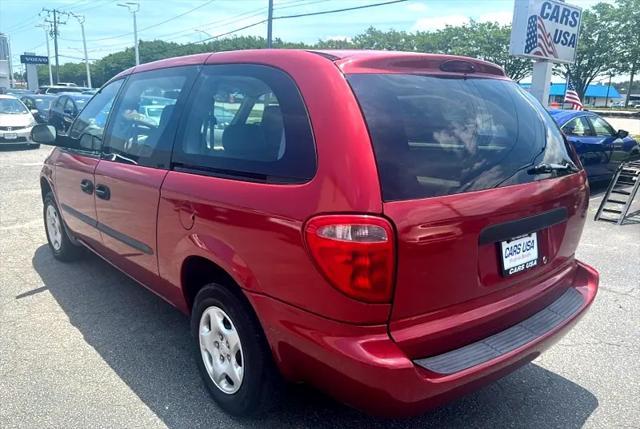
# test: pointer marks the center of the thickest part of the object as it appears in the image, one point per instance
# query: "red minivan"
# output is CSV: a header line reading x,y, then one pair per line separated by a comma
x,y
395,229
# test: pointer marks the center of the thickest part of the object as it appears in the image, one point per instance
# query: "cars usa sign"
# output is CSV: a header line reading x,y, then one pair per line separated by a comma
x,y
545,29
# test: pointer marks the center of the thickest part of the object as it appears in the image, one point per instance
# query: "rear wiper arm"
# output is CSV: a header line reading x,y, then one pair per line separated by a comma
x,y
550,168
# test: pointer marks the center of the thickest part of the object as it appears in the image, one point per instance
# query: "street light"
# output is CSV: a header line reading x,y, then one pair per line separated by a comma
x,y
45,27
206,33
133,8
80,19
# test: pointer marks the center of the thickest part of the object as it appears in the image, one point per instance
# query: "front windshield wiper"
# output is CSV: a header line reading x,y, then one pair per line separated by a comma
x,y
545,168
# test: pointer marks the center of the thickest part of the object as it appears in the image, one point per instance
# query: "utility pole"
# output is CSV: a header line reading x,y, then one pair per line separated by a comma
x,y
80,19
46,36
55,44
270,25
133,8
55,22
12,82
606,101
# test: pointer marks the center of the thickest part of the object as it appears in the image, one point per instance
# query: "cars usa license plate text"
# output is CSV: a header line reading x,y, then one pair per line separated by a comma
x,y
519,254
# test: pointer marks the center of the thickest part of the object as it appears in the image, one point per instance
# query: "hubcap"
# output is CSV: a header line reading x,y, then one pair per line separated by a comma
x,y
54,227
221,350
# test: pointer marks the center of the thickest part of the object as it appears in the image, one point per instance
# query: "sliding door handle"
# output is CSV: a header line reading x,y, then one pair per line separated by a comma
x,y
87,186
103,192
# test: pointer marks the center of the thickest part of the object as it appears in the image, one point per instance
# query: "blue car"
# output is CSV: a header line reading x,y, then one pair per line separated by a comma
x,y
601,148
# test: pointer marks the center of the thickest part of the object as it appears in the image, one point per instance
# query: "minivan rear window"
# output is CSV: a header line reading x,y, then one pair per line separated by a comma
x,y
435,135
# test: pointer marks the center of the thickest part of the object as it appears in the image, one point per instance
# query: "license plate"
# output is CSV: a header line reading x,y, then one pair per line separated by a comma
x,y
10,136
519,254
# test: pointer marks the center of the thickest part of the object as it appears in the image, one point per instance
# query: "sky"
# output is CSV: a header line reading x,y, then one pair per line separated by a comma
x,y
109,28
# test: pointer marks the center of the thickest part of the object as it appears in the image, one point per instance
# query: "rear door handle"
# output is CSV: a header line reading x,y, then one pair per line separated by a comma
x,y
87,186
103,192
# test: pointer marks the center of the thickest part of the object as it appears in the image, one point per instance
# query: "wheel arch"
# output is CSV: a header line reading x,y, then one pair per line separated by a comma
x,y
198,271
45,187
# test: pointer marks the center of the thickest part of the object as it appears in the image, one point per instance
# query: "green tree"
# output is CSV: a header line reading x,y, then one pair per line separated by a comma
x,y
598,48
627,16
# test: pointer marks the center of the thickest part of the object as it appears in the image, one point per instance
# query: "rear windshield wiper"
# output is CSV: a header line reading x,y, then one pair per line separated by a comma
x,y
550,168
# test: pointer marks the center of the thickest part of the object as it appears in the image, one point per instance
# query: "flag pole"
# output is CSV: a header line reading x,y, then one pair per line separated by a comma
x,y
566,88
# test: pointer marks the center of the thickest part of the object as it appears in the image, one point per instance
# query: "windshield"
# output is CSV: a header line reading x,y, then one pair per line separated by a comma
x,y
12,106
43,103
440,135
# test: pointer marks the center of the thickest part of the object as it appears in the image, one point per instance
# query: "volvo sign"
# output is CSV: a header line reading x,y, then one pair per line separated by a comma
x,y
34,59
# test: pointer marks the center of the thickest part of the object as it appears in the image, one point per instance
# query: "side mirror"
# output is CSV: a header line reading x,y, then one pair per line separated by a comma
x,y
622,134
44,134
34,111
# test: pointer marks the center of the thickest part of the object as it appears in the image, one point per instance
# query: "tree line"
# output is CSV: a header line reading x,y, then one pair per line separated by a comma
x,y
609,44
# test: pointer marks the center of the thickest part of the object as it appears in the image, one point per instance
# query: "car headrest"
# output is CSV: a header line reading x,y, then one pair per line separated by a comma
x,y
245,142
272,117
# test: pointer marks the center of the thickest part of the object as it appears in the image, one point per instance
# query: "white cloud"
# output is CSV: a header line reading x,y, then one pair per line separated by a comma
x,y
502,17
417,7
339,37
438,22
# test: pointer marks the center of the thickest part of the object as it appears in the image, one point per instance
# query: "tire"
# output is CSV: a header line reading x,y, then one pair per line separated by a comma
x,y
34,145
260,385
59,242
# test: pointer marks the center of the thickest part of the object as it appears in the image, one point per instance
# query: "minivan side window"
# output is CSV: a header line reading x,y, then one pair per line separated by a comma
x,y
144,120
89,125
246,122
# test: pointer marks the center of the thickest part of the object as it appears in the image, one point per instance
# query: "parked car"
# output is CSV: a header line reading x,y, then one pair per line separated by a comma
x,y
15,121
56,89
358,228
18,92
38,105
600,147
65,108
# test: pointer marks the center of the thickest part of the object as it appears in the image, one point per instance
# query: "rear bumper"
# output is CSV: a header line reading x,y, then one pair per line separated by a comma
x,y
363,367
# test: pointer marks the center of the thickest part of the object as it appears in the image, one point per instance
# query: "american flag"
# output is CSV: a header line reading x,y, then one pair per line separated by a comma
x,y
539,41
571,97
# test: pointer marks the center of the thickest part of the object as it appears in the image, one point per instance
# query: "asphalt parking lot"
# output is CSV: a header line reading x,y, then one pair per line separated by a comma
x,y
83,346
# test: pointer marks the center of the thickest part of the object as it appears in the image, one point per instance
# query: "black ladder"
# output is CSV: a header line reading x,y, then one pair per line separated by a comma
x,y
620,193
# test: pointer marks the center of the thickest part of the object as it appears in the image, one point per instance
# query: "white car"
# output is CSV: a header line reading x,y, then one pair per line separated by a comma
x,y
16,121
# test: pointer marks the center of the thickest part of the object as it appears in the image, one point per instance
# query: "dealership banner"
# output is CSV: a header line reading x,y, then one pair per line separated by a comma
x,y
545,29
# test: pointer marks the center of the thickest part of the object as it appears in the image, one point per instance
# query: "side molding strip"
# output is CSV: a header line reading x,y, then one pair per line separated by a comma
x,y
129,241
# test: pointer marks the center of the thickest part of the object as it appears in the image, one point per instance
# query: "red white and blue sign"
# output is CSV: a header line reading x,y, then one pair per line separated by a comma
x,y
545,29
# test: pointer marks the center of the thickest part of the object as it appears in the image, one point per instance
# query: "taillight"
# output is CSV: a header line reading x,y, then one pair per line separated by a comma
x,y
355,253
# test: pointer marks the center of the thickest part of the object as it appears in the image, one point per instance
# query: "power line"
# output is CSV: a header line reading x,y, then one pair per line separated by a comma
x,y
300,15
323,12
24,24
92,4
77,58
225,21
148,27
242,16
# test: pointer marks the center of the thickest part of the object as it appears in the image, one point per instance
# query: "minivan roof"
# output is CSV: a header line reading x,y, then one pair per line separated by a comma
x,y
349,61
